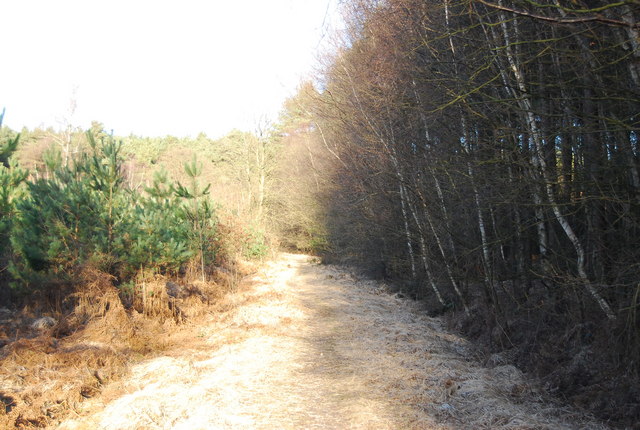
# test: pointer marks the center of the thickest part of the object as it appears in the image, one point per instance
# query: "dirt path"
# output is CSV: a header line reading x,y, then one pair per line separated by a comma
x,y
310,347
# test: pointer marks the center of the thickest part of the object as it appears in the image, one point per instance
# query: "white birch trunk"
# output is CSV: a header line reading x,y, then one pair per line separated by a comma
x,y
527,107
403,205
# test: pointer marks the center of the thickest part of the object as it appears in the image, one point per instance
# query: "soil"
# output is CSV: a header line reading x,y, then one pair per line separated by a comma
x,y
309,346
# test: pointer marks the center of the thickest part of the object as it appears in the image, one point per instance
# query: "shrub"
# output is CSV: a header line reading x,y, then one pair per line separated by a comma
x,y
83,213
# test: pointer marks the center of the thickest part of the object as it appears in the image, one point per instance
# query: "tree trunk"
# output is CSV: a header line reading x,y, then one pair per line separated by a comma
x,y
527,108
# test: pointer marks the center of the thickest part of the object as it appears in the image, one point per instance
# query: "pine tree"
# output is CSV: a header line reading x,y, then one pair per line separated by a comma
x,y
198,210
11,178
158,236
8,144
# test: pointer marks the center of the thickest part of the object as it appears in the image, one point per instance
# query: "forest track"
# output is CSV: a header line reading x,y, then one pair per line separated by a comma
x,y
307,346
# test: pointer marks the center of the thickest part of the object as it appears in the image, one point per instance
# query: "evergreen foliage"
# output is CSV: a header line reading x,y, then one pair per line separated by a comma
x,y
199,213
8,142
11,177
158,234
97,207
83,213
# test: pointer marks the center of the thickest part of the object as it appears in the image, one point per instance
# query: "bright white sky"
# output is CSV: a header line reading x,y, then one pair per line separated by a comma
x,y
156,67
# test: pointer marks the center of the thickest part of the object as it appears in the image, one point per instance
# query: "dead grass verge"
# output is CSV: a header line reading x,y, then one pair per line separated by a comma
x,y
297,346
53,362
308,346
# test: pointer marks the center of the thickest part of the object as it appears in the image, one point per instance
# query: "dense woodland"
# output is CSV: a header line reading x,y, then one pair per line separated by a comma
x,y
483,155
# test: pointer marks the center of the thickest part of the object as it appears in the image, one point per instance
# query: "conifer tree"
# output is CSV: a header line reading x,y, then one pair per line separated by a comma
x,y
8,143
11,176
199,212
158,234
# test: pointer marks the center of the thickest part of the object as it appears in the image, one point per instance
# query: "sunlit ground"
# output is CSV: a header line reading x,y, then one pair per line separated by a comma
x,y
311,346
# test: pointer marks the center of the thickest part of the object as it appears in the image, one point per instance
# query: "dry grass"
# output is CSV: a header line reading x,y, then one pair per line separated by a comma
x,y
50,373
307,346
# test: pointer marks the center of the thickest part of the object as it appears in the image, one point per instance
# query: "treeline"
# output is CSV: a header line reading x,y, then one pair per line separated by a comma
x,y
486,153
73,200
81,212
235,165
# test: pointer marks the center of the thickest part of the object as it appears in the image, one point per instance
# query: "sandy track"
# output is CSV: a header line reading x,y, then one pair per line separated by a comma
x,y
311,347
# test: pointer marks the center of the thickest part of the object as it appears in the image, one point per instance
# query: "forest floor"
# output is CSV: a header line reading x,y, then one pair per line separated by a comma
x,y
307,346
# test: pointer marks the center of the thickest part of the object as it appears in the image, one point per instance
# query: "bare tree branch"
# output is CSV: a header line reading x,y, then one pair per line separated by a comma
x,y
557,20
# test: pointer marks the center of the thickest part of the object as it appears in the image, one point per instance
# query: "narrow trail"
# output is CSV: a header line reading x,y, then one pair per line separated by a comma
x,y
306,346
